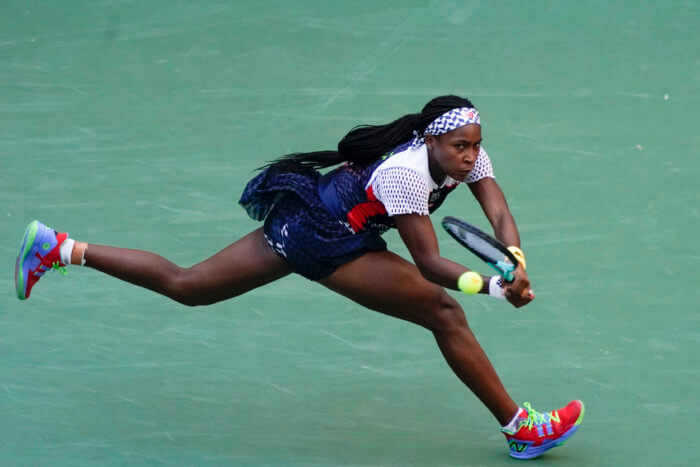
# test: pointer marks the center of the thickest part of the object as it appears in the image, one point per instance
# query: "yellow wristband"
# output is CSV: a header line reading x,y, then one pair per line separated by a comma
x,y
519,255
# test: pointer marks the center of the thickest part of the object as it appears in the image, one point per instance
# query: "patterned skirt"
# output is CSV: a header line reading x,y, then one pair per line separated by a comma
x,y
299,227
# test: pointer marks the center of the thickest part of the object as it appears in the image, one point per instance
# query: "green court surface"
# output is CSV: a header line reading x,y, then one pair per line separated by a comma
x,y
137,124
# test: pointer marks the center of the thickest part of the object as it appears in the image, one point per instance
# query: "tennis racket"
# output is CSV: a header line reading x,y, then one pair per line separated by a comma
x,y
483,245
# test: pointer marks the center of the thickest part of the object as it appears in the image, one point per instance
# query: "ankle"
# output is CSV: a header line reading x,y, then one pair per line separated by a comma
x,y
78,254
512,425
508,416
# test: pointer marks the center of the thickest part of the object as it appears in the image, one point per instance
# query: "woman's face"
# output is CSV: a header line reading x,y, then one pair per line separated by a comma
x,y
454,153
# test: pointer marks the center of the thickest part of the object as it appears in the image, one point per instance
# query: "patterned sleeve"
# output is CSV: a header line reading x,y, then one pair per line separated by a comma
x,y
482,168
402,191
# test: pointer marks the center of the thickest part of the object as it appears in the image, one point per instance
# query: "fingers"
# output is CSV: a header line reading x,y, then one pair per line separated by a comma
x,y
520,286
519,292
519,299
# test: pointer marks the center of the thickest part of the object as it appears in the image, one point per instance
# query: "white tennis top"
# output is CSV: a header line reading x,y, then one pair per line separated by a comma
x,y
402,183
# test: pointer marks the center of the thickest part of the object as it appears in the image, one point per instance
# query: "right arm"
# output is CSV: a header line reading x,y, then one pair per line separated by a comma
x,y
419,236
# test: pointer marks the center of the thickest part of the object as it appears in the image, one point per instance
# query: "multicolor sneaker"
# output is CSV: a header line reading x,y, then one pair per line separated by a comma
x,y
540,432
40,251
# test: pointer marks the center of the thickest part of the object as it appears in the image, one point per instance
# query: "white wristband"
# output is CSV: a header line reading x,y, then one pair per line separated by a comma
x,y
496,287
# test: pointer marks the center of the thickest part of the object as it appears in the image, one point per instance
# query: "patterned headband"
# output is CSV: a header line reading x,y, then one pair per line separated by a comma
x,y
448,121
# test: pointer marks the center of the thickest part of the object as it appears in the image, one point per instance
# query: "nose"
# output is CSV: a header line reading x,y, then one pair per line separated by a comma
x,y
471,155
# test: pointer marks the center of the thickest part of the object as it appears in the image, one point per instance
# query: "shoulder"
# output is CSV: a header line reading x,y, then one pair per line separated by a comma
x,y
402,182
411,162
482,168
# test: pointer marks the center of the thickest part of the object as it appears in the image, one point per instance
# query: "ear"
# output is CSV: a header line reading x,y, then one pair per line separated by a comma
x,y
429,141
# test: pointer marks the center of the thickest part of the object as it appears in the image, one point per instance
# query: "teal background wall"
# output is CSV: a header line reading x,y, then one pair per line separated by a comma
x,y
137,124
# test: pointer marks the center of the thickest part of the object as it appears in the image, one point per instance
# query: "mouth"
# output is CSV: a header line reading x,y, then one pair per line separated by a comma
x,y
461,175
465,173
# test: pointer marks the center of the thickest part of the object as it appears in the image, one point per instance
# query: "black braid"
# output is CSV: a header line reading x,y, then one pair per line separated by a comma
x,y
367,143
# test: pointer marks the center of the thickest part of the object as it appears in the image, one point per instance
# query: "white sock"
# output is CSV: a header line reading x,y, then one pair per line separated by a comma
x,y
67,250
512,426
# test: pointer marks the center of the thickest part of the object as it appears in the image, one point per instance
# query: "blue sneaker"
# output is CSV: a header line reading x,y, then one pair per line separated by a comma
x,y
40,251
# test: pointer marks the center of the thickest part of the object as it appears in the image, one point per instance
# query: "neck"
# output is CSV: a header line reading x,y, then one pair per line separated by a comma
x,y
436,173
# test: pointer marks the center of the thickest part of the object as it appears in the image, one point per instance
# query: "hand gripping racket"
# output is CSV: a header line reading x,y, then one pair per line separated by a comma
x,y
483,245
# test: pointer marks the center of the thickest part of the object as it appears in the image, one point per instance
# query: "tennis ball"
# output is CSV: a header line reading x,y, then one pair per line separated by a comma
x,y
470,283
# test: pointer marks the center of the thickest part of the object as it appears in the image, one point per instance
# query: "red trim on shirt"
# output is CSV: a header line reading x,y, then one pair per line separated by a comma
x,y
359,215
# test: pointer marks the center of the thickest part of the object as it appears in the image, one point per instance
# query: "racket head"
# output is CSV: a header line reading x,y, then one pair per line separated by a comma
x,y
483,245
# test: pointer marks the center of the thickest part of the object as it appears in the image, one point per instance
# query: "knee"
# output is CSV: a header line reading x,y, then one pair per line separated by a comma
x,y
446,315
185,288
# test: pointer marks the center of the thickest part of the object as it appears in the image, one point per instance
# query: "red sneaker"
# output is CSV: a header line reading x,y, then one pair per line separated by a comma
x,y
40,251
540,432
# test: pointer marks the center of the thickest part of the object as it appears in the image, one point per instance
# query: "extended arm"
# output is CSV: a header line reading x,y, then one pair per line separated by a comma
x,y
419,236
494,205
493,202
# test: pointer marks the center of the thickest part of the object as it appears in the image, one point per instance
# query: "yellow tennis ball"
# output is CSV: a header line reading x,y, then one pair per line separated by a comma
x,y
470,282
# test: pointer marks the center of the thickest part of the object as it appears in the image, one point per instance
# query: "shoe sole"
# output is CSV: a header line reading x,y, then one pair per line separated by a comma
x,y
24,251
533,452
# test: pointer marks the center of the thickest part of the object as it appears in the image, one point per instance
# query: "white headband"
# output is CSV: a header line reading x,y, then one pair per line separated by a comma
x,y
448,121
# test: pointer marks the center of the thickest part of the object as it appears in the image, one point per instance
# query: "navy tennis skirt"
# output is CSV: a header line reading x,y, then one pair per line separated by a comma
x,y
299,227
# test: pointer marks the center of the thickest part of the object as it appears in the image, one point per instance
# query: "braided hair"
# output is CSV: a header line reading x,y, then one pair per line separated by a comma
x,y
365,144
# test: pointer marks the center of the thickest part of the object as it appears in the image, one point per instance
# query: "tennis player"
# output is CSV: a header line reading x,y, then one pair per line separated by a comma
x,y
328,229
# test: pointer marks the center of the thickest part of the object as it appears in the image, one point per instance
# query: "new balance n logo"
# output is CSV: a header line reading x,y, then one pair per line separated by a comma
x,y
517,447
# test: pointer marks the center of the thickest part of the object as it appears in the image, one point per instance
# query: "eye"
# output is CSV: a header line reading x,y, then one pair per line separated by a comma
x,y
459,146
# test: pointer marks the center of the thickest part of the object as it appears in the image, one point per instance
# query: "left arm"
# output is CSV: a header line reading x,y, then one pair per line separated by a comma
x,y
493,203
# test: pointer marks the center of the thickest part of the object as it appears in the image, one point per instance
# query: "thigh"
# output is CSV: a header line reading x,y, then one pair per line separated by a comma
x,y
242,266
385,282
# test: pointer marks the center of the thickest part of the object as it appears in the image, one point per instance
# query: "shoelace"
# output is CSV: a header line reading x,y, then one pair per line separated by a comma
x,y
41,269
57,266
534,418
